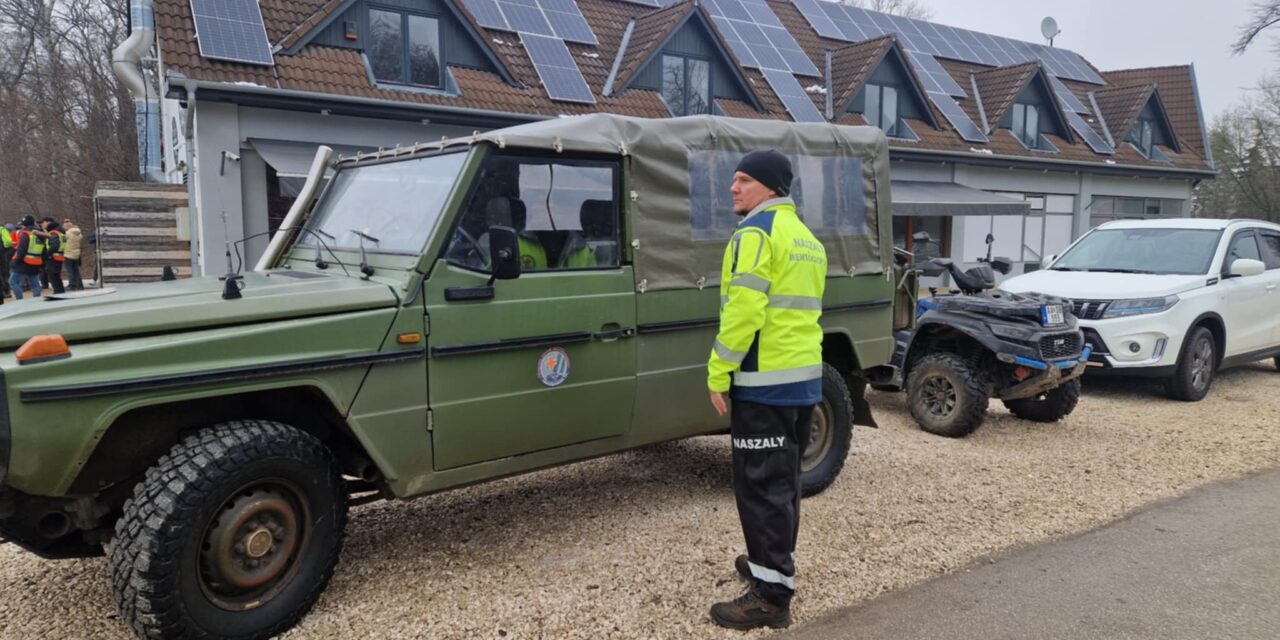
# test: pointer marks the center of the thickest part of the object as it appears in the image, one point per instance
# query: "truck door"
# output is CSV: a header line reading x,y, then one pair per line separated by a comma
x,y
547,359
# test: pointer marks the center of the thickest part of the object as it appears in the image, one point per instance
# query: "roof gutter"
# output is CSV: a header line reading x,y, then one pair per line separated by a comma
x,y
999,160
310,101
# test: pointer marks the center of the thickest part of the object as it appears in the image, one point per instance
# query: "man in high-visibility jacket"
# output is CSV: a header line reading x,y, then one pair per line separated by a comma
x,y
768,356
6,251
54,254
28,259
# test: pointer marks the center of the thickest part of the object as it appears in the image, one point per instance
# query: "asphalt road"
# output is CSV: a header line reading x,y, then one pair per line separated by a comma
x,y
1206,565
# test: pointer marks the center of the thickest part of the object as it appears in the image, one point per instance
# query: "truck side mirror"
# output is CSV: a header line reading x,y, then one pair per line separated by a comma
x,y
504,252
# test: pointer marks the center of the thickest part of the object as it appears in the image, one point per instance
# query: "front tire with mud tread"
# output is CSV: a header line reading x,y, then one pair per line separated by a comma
x,y
837,402
154,557
1056,404
971,398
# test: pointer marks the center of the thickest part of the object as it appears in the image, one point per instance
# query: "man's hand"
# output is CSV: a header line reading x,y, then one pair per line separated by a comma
x,y
717,401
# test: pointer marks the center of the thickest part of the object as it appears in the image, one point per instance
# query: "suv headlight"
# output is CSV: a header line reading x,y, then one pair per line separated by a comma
x,y
1138,307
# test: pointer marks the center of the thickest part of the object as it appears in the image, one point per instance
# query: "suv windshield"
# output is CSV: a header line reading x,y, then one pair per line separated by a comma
x,y
396,202
1158,251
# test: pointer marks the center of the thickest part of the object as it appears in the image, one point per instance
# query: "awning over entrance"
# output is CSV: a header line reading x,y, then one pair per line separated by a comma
x,y
293,159
912,198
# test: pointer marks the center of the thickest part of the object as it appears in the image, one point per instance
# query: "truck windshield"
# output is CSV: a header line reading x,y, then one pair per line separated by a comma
x,y
1156,251
396,202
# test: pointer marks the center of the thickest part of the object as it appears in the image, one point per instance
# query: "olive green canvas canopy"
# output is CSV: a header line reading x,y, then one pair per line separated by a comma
x,y
680,214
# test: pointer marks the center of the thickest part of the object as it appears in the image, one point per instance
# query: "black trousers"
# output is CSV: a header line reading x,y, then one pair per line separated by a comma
x,y
767,444
5,256
53,274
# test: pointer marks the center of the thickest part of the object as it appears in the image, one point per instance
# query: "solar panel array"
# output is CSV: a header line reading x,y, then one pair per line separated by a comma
x,y
555,18
232,30
758,38
555,65
544,26
852,24
793,96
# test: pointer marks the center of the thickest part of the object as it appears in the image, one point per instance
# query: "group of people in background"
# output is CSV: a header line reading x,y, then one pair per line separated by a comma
x,y
34,254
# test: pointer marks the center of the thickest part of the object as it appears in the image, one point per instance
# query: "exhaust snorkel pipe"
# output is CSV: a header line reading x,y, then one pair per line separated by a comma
x,y
296,216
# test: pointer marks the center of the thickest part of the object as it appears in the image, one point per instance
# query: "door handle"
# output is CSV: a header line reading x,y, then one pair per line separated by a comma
x,y
611,332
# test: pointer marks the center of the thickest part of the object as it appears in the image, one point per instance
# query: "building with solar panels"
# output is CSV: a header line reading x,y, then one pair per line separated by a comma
x,y
987,134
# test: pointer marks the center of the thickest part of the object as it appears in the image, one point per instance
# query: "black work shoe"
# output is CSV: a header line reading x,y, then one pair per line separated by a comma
x,y
741,564
750,611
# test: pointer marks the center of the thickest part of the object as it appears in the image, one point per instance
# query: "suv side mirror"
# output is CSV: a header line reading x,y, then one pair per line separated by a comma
x,y
1048,260
1245,268
504,252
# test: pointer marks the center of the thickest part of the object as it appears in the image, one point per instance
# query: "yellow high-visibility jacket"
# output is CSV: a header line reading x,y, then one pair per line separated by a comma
x,y
770,342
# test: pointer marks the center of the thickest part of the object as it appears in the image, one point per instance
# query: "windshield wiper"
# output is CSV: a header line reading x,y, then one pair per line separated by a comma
x,y
364,258
1119,270
320,263
1063,269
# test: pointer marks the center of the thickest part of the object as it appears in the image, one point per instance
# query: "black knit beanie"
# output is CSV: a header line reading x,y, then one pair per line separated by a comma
x,y
770,168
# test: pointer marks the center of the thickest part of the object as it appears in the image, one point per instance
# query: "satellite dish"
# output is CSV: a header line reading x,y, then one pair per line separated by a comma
x,y
1049,29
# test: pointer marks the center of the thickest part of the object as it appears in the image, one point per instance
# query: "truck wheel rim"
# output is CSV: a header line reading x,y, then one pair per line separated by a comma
x,y
939,396
821,437
1201,364
253,545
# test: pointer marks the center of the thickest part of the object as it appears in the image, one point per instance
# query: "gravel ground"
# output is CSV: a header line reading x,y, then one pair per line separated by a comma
x,y
638,545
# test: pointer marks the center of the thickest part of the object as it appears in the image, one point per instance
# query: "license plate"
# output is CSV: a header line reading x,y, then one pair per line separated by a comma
x,y
1053,314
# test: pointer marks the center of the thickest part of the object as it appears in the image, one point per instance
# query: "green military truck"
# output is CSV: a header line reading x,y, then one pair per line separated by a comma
x,y
438,316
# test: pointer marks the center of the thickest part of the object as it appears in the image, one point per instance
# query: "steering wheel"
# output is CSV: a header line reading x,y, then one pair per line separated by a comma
x,y
471,256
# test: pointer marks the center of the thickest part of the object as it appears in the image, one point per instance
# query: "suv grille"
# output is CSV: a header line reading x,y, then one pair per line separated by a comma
x,y
1089,309
1060,345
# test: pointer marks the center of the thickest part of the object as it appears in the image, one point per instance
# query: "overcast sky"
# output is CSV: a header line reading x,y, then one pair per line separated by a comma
x,y
1123,34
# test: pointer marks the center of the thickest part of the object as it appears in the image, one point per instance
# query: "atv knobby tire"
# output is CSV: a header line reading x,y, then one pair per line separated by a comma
x,y
946,395
232,534
829,435
1056,404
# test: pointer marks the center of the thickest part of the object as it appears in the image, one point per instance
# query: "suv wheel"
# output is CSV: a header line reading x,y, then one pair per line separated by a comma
x,y
1196,365
829,435
1054,405
234,533
946,395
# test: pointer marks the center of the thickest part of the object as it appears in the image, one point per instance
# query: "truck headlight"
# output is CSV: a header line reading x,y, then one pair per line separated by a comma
x,y
1139,306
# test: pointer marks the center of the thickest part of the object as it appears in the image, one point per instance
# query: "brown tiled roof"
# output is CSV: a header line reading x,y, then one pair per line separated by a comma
x,y
341,72
282,16
1120,106
852,65
1177,92
651,30
999,88
305,26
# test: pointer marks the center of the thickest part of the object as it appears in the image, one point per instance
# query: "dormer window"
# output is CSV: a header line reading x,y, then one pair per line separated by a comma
x,y
404,48
686,85
881,108
1026,124
1142,135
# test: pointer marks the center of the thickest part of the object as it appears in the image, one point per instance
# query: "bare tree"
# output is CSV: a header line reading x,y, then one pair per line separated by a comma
x,y
65,122
1264,15
1246,149
905,8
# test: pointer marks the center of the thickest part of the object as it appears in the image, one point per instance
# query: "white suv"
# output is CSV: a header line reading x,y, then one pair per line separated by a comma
x,y
1174,299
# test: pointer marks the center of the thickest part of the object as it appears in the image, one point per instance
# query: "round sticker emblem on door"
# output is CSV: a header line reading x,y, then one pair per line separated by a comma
x,y
553,367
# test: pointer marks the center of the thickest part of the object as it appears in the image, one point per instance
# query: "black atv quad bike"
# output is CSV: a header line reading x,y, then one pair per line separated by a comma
x,y
971,345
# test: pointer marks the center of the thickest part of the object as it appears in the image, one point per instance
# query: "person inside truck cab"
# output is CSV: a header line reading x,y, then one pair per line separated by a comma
x,y
472,250
594,245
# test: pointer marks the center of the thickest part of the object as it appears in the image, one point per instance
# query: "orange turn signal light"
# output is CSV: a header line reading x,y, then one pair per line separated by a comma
x,y
409,338
43,349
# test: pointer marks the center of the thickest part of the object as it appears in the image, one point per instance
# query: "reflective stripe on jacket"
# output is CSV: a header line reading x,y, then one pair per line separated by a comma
x,y
771,288
57,244
35,250
6,239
